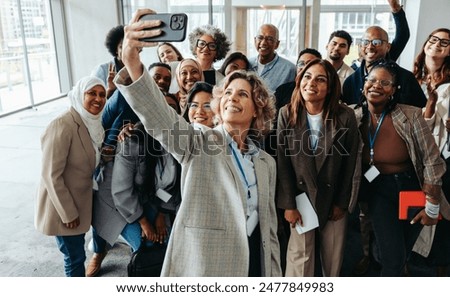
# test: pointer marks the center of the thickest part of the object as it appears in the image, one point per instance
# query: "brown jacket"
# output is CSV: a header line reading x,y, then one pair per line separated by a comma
x,y
327,176
68,163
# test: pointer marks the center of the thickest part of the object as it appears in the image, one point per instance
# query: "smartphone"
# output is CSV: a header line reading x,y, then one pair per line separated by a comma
x,y
173,26
210,76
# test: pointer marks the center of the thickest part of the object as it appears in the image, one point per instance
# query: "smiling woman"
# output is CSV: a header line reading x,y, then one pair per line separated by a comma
x,y
432,70
310,129
225,228
199,105
209,44
70,152
188,72
414,165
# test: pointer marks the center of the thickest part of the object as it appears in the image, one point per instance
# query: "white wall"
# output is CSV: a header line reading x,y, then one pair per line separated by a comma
x,y
88,22
423,17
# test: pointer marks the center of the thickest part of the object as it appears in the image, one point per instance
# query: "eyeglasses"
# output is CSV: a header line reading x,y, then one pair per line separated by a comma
x,y
269,39
383,82
374,42
202,44
301,64
442,41
195,106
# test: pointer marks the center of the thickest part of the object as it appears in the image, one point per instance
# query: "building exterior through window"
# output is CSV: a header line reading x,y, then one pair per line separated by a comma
x,y
32,69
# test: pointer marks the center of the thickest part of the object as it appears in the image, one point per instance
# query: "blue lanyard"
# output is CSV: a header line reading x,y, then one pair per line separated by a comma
x,y
373,138
161,167
242,171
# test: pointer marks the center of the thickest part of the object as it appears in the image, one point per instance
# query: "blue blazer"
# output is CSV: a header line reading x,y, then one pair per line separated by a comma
x,y
116,114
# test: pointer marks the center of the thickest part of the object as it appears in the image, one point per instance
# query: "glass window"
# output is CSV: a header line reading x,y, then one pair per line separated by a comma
x,y
28,72
198,15
196,10
355,20
288,23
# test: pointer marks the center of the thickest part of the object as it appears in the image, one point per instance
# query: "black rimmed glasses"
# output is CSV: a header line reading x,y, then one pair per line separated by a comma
x,y
202,44
268,39
374,42
442,41
383,82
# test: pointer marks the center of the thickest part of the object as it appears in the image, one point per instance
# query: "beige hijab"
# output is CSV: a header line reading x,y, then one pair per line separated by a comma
x,y
182,93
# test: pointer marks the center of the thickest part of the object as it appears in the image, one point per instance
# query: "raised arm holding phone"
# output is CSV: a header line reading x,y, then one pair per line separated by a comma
x,y
226,224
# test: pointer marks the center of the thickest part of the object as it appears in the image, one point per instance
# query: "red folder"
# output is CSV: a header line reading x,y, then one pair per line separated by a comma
x,y
410,199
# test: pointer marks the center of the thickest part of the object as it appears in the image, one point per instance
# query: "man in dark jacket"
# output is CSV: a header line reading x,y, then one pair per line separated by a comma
x,y
374,47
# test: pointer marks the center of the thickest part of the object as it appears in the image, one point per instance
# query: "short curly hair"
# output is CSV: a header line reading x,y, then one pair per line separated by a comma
x,y
264,102
221,40
113,38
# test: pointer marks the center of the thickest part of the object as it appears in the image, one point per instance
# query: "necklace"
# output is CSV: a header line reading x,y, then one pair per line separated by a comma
x,y
377,117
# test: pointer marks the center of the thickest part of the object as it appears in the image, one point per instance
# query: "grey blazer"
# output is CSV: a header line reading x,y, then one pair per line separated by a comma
x,y
68,163
118,202
209,235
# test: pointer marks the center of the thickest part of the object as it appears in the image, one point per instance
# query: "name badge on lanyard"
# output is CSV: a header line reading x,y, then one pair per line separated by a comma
x,y
373,172
252,221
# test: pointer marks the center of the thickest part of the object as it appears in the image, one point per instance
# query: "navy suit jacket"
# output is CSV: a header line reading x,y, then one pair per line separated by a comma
x,y
116,114
353,85
409,93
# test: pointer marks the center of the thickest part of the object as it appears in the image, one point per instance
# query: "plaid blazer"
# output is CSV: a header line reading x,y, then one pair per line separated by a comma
x,y
428,165
209,235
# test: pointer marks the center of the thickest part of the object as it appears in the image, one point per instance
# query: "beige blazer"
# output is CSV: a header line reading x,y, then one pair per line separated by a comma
x,y
437,122
209,236
68,163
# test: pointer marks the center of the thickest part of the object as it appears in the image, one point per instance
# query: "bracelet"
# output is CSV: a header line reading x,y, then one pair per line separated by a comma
x,y
432,210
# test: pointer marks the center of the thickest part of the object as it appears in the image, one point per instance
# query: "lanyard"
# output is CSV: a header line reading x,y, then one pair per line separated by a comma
x,y
373,138
242,171
161,167
313,136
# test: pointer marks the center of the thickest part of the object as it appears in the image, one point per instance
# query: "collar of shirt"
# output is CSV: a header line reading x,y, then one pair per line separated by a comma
x,y
268,66
253,150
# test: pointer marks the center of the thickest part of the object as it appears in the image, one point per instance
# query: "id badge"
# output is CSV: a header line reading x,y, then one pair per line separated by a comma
x,y
445,152
371,174
252,221
163,195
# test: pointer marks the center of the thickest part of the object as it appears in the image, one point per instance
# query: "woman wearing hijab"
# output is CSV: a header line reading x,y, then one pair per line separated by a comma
x,y
188,72
70,152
